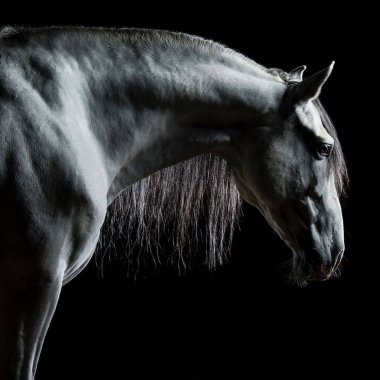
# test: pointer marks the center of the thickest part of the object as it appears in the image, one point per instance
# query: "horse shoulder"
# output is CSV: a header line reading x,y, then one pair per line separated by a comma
x,y
52,196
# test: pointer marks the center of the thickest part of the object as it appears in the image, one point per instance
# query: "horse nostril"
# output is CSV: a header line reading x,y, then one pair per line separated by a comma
x,y
338,259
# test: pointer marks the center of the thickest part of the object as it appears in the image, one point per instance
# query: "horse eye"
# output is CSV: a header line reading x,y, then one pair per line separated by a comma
x,y
324,150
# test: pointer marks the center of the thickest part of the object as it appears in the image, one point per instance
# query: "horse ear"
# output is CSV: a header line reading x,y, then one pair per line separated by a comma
x,y
295,75
310,88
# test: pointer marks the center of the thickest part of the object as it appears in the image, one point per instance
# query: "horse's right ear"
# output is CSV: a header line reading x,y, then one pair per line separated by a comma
x,y
295,76
310,88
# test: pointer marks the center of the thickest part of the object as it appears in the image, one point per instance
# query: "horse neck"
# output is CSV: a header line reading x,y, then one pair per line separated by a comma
x,y
153,105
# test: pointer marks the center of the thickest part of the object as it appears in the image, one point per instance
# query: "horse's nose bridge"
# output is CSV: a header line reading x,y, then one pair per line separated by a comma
x,y
305,210
321,212
312,244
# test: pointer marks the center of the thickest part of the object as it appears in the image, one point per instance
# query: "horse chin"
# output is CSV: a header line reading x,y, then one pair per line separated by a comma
x,y
302,279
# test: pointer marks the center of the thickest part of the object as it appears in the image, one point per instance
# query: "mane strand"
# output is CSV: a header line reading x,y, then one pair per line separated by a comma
x,y
192,203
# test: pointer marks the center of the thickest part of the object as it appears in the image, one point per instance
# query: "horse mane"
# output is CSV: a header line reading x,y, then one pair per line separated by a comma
x,y
192,203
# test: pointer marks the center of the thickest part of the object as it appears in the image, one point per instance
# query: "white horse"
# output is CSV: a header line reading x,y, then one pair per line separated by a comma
x,y
87,113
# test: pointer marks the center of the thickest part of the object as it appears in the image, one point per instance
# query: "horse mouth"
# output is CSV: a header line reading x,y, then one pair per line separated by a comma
x,y
303,273
298,277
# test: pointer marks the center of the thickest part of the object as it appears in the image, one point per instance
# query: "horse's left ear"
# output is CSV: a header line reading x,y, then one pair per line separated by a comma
x,y
310,88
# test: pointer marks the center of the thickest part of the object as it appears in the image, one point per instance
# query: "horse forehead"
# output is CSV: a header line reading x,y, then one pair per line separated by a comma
x,y
309,119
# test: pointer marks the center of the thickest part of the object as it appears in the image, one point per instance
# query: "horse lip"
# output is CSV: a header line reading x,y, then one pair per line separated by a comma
x,y
320,274
313,273
319,277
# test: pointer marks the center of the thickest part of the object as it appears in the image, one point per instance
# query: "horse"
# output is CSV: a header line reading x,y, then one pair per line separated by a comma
x,y
158,126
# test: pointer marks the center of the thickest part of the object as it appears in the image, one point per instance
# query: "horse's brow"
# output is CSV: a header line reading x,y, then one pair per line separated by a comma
x,y
311,134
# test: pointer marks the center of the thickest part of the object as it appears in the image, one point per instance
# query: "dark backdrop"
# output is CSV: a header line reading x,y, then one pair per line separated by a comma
x,y
243,318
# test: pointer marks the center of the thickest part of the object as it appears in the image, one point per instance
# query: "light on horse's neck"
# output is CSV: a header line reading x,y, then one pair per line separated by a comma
x,y
160,108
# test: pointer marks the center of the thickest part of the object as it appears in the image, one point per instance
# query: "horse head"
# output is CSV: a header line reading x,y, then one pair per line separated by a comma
x,y
292,169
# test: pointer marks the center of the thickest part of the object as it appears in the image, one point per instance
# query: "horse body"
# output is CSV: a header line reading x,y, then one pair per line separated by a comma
x,y
83,115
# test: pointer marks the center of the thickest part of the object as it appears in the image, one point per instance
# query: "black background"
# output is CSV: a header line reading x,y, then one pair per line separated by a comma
x,y
243,318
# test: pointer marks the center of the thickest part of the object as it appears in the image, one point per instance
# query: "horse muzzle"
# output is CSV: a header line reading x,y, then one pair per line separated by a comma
x,y
314,266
